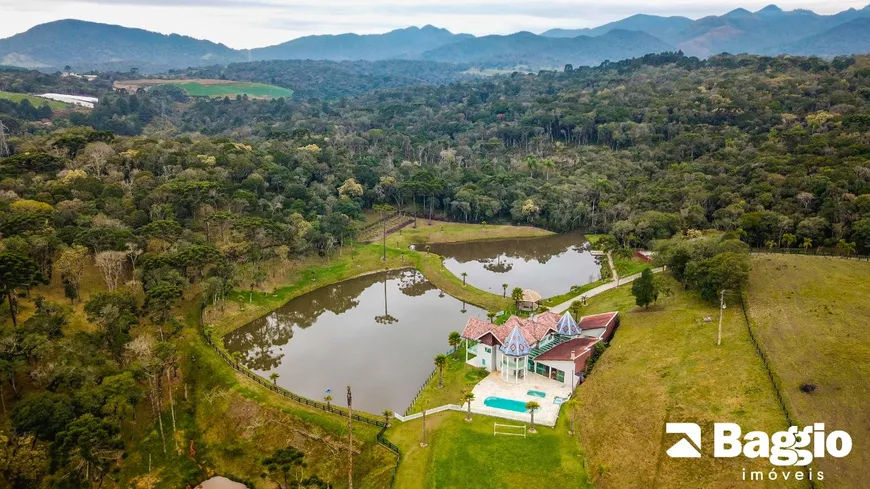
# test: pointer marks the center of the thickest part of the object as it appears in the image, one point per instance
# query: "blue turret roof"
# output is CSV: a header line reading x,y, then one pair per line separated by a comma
x,y
515,344
567,325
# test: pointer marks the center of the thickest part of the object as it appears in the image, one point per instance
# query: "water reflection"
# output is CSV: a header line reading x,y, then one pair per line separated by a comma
x,y
549,265
377,333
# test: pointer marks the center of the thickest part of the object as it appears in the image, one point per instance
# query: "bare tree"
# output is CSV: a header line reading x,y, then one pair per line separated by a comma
x,y
4,147
111,265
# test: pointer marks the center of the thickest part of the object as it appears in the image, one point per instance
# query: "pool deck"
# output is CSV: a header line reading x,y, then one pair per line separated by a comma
x,y
494,386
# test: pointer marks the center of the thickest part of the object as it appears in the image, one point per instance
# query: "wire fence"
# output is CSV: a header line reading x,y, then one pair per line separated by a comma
x,y
272,386
812,252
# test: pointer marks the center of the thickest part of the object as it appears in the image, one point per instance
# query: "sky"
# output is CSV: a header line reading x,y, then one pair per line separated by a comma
x,y
244,24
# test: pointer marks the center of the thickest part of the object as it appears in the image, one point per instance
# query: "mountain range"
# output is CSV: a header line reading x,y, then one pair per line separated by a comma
x,y
86,45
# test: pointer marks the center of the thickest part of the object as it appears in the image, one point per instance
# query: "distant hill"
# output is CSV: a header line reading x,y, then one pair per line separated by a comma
x,y
530,50
78,43
402,43
667,29
851,37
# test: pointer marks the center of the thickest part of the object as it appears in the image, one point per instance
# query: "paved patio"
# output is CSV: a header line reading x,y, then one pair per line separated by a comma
x,y
494,386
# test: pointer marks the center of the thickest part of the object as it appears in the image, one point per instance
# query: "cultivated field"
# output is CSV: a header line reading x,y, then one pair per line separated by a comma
x,y
664,366
812,316
211,87
36,101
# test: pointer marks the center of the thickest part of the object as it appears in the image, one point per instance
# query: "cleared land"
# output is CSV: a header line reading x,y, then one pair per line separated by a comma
x,y
211,88
36,101
463,454
664,366
812,317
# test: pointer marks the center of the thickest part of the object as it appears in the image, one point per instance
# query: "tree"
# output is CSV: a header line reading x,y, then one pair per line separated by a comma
x,y
464,276
846,248
71,265
440,362
388,415
807,244
88,442
643,289
531,407
16,272
576,308
274,377
454,340
383,210
788,240
111,265
327,399
468,397
282,463
517,296
504,290
44,414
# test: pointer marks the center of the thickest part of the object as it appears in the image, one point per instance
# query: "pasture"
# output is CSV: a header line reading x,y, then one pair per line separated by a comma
x,y
211,88
36,101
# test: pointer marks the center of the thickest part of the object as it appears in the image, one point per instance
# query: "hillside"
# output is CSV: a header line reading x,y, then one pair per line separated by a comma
x,y
84,44
852,36
810,315
401,43
667,29
530,50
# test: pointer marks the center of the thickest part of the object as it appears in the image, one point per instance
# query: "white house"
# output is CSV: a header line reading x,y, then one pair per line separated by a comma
x,y
556,347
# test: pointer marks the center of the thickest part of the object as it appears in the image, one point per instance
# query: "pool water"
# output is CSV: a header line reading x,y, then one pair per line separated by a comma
x,y
537,394
506,404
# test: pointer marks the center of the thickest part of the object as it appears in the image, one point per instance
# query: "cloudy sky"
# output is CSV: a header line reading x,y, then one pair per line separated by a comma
x,y
254,23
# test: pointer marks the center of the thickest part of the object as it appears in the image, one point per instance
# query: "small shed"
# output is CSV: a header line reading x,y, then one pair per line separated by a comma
x,y
529,301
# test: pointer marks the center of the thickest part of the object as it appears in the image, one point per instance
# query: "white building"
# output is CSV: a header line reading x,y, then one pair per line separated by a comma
x,y
556,347
79,100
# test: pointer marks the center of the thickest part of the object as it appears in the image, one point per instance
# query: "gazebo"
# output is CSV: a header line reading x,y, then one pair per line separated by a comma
x,y
529,301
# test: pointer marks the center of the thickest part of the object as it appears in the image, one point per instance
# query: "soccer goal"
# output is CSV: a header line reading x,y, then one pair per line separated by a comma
x,y
509,429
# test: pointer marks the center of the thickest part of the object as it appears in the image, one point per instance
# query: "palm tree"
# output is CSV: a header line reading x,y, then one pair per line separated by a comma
x,y
274,377
440,361
789,240
468,397
491,316
454,340
387,416
464,275
428,248
771,244
504,290
808,243
517,296
327,399
531,406
237,357
575,308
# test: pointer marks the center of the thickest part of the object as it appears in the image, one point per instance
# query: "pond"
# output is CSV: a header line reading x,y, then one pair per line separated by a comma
x,y
378,333
548,265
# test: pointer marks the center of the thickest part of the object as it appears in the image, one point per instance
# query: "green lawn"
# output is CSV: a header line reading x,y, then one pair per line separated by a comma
x,y
812,317
462,454
663,365
459,378
256,90
627,267
36,101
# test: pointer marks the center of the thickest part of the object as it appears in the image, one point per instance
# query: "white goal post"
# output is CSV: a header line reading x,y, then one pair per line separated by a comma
x,y
505,429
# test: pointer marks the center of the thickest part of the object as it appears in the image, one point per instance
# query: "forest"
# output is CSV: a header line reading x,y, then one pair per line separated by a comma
x,y
173,198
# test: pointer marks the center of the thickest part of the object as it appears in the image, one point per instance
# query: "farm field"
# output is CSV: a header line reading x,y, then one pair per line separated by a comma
x,y
663,365
36,101
812,317
212,88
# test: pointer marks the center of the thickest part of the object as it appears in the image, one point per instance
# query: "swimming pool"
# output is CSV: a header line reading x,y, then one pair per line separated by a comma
x,y
536,394
506,404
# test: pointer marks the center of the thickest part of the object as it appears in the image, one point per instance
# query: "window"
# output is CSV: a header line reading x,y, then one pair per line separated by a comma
x,y
488,349
483,361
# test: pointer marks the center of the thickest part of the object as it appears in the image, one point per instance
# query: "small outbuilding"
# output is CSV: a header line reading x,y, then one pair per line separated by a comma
x,y
530,300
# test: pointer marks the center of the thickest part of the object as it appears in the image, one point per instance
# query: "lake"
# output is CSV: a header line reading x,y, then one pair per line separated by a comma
x,y
378,333
548,265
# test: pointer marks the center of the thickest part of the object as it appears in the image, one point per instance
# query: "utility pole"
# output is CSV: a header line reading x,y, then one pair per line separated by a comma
x,y
721,311
349,439
4,147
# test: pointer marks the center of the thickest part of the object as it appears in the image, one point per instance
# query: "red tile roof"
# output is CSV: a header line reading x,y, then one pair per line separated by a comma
x,y
563,352
597,320
533,330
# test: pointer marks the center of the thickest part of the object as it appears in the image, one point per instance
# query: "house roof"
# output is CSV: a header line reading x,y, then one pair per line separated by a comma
x,y
597,320
567,325
516,345
563,351
530,295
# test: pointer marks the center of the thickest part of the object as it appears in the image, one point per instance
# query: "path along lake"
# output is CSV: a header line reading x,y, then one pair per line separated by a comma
x,y
548,265
378,333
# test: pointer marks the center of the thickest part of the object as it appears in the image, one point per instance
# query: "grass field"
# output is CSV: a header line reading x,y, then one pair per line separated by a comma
x,y
664,366
458,378
462,454
253,90
812,317
36,101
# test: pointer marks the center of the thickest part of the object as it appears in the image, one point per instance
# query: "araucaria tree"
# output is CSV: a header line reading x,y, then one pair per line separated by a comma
x,y
644,289
16,272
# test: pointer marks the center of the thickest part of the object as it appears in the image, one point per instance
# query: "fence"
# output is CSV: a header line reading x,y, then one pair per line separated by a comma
x,y
425,383
380,438
815,252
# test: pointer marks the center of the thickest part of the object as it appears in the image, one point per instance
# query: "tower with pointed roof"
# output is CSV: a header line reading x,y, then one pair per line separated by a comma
x,y
515,359
567,326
